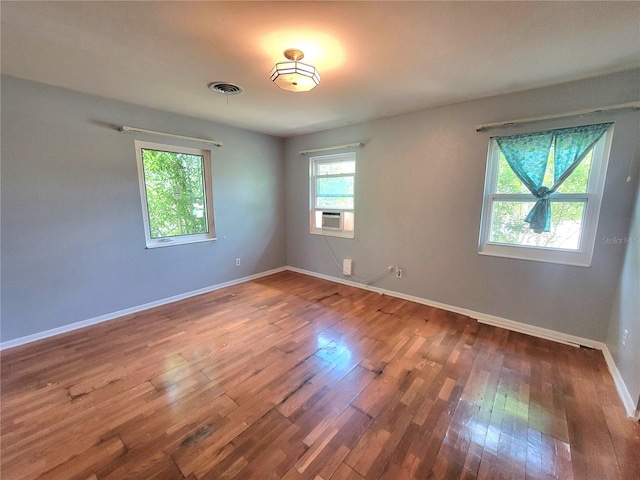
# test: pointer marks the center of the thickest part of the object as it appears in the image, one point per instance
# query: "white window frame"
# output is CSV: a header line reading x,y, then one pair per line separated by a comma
x,y
347,216
208,195
593,199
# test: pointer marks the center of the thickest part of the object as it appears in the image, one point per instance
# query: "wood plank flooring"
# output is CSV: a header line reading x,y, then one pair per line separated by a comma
x,y
292,377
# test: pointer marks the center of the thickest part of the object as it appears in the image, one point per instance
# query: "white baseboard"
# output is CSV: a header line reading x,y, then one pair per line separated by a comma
x,y
539,332
128,311
512,325
621,387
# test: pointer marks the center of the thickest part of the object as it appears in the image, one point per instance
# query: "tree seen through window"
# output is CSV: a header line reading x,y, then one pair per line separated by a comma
x,y
175,193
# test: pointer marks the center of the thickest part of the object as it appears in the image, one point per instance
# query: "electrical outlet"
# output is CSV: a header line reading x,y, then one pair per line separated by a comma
x,y
237,262
398,272
625,334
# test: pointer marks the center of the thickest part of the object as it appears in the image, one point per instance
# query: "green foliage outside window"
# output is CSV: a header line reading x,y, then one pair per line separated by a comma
x,y
175,193
508,225
335,192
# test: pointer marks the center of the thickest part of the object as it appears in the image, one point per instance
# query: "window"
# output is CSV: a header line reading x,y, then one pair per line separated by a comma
x,y
331,187
543,192
175,186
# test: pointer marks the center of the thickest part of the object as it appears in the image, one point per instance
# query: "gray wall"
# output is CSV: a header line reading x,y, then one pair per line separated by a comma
x,y
73,240
419,189
73,244
626,310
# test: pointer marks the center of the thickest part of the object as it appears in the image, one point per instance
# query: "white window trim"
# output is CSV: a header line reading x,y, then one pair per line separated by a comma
x,y
208,196
581,257
333,158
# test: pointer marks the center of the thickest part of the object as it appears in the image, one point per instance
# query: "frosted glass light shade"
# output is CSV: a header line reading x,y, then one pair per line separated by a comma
x,y
295,76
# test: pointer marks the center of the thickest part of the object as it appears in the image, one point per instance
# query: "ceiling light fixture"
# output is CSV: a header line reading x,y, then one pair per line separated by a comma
x,y
293,75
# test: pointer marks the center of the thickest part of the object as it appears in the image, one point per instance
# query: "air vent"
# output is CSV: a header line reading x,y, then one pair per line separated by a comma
x,y
225,88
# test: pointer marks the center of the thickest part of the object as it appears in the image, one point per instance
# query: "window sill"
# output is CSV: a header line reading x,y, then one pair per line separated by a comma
x,y
334,233
173,243
560,257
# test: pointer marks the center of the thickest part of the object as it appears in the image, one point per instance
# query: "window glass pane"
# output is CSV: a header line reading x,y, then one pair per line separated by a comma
x,y
508,225
174,184
334,192
335,168
548,174
508,182
343,203
334,187
578,181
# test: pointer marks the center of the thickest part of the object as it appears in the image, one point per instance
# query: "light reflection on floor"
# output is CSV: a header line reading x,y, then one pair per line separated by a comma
x,y
334,351
536,451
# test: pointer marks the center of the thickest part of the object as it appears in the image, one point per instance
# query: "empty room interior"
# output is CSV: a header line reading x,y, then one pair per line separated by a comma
x,y
320,240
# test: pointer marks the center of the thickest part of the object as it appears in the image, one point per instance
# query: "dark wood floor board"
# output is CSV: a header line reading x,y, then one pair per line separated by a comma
x,y
373,451
313,389
292,377
275,461
344,472
332,445
249,444
53,465
624,436
200,408
453,452
54,445
165,469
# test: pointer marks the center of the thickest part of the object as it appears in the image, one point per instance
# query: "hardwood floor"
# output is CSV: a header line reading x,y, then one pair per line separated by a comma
x,y
294,377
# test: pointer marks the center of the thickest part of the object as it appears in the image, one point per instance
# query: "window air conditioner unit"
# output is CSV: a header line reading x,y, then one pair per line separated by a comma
x,y
332,220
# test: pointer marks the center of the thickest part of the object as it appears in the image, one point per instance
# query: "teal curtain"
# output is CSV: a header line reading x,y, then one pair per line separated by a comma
x,y
528,154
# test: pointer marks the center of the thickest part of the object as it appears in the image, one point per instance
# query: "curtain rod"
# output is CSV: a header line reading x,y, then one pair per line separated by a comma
x,y
621,106
334,147
124,128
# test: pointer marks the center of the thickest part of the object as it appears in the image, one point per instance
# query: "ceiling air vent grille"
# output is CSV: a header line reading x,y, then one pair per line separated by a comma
x,y
225,88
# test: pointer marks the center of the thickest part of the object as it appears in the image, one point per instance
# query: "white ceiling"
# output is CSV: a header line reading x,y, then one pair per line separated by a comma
x,y
376,59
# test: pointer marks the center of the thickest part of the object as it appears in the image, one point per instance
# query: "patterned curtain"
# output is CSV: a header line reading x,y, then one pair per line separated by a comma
x,y
528,154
